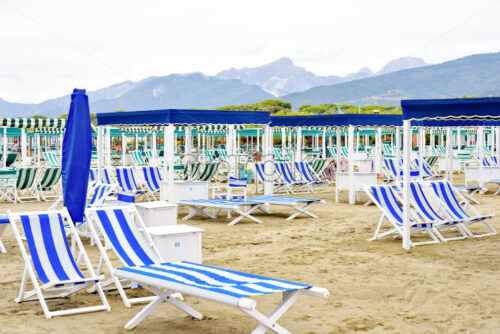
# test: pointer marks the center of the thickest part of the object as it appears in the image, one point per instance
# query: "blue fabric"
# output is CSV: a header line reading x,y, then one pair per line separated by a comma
x,y
464,112
76,153
337,120
4,219
183,116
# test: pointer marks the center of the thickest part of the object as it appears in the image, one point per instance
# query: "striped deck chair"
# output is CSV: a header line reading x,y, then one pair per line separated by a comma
x,y
4,221
51,159
486,150
233,185
289,154
137,159
391,171
210,155
431,160
11,158
209,171
386,200
149,155
307,175
261,177
119,227
127,182
8,179
427,171
489,161
388,151
319,167
345,152
153,180
26,185
441,150
332,151
50,265
278,154
288,179
447,196
145,266
49,182
222,154
193,174
420,202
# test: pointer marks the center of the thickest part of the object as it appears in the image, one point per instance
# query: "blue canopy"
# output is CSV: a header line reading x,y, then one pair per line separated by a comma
x,y
76,152
337,120
183,116
453,112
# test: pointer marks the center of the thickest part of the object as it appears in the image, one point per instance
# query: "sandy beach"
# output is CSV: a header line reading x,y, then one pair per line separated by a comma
x,y
375,287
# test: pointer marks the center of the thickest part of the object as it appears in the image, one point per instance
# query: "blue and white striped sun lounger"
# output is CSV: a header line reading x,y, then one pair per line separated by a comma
x,y
51,262
244,208
387,201
308,176
120,228
127,182
287,177
448,197
299,204
4,220
262,177
153,179
220,285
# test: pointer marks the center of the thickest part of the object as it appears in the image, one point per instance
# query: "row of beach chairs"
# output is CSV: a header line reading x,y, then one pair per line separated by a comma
x,y
30,183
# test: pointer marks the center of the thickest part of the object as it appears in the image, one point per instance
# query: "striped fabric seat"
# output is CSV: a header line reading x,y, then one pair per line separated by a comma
x,y
388,151
287,177
126,179
52,260
190,175
427,171
308,176
441,150
345,152
233,185
278,154
289,154
262,177
100,193
332,151
210,155
222,154
106,177
391,171
209,171
51,159
447,194
137,159
25,184
152,178
49,181
388,203
431,160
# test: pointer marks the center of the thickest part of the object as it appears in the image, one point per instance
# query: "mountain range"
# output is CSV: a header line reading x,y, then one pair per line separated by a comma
x,y
399,79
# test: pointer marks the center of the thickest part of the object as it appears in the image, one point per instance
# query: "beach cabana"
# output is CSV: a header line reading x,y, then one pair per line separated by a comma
x,y
169,118
473,112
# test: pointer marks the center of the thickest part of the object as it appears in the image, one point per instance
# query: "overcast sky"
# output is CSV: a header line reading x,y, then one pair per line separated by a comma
x,y
49,47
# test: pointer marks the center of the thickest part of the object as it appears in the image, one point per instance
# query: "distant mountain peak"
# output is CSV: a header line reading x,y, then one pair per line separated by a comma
x,y
403,63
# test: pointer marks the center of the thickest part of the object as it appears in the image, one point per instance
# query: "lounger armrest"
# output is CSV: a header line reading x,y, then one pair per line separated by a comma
x,y
247,304
316,292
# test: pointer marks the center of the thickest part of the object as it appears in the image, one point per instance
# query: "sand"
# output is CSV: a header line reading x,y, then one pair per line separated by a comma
x,y
375,287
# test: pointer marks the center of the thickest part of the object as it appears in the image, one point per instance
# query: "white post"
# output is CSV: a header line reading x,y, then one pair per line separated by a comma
x,y
421,148
154,151
298,155
406,182
23,147
230,146
38,148
108,146
459,139
480,135
258,139
323,145
100,153
267,159
497,146
283,141
337,145
449,154
124,148
169,145
378,151
398,150
350,150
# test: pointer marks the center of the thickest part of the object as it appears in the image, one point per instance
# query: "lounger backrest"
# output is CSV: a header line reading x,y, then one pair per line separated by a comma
x,y
345,152
49,248
289,153
50,178
51,159
122,234
419,199
209,172
126,179
390,167
305,171
444,191
11,158
278,153
210,155
426,170
333,151
284,171
137,158
386,200
25,178
222,154
152,177
101,191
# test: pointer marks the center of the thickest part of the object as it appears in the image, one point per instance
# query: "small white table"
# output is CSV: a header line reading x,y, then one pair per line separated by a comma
x,y
183,190
157,213
177,242
360,180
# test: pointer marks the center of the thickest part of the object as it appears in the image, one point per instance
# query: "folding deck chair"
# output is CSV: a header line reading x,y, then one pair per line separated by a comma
x,y
261,177
49,182
447,196
427,170
8,179
307,175
51,159
137,159
153,180
387,201
332,151
278,154
127,182
419,200
210,155
222,154
388,151
25,185
300,205
51,262
193,173
209,171
119,227
11,158
106,176
319,167
287,178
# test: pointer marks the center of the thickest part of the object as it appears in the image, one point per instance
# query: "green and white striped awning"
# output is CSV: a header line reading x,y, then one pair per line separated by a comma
x,y
28,123
52,131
